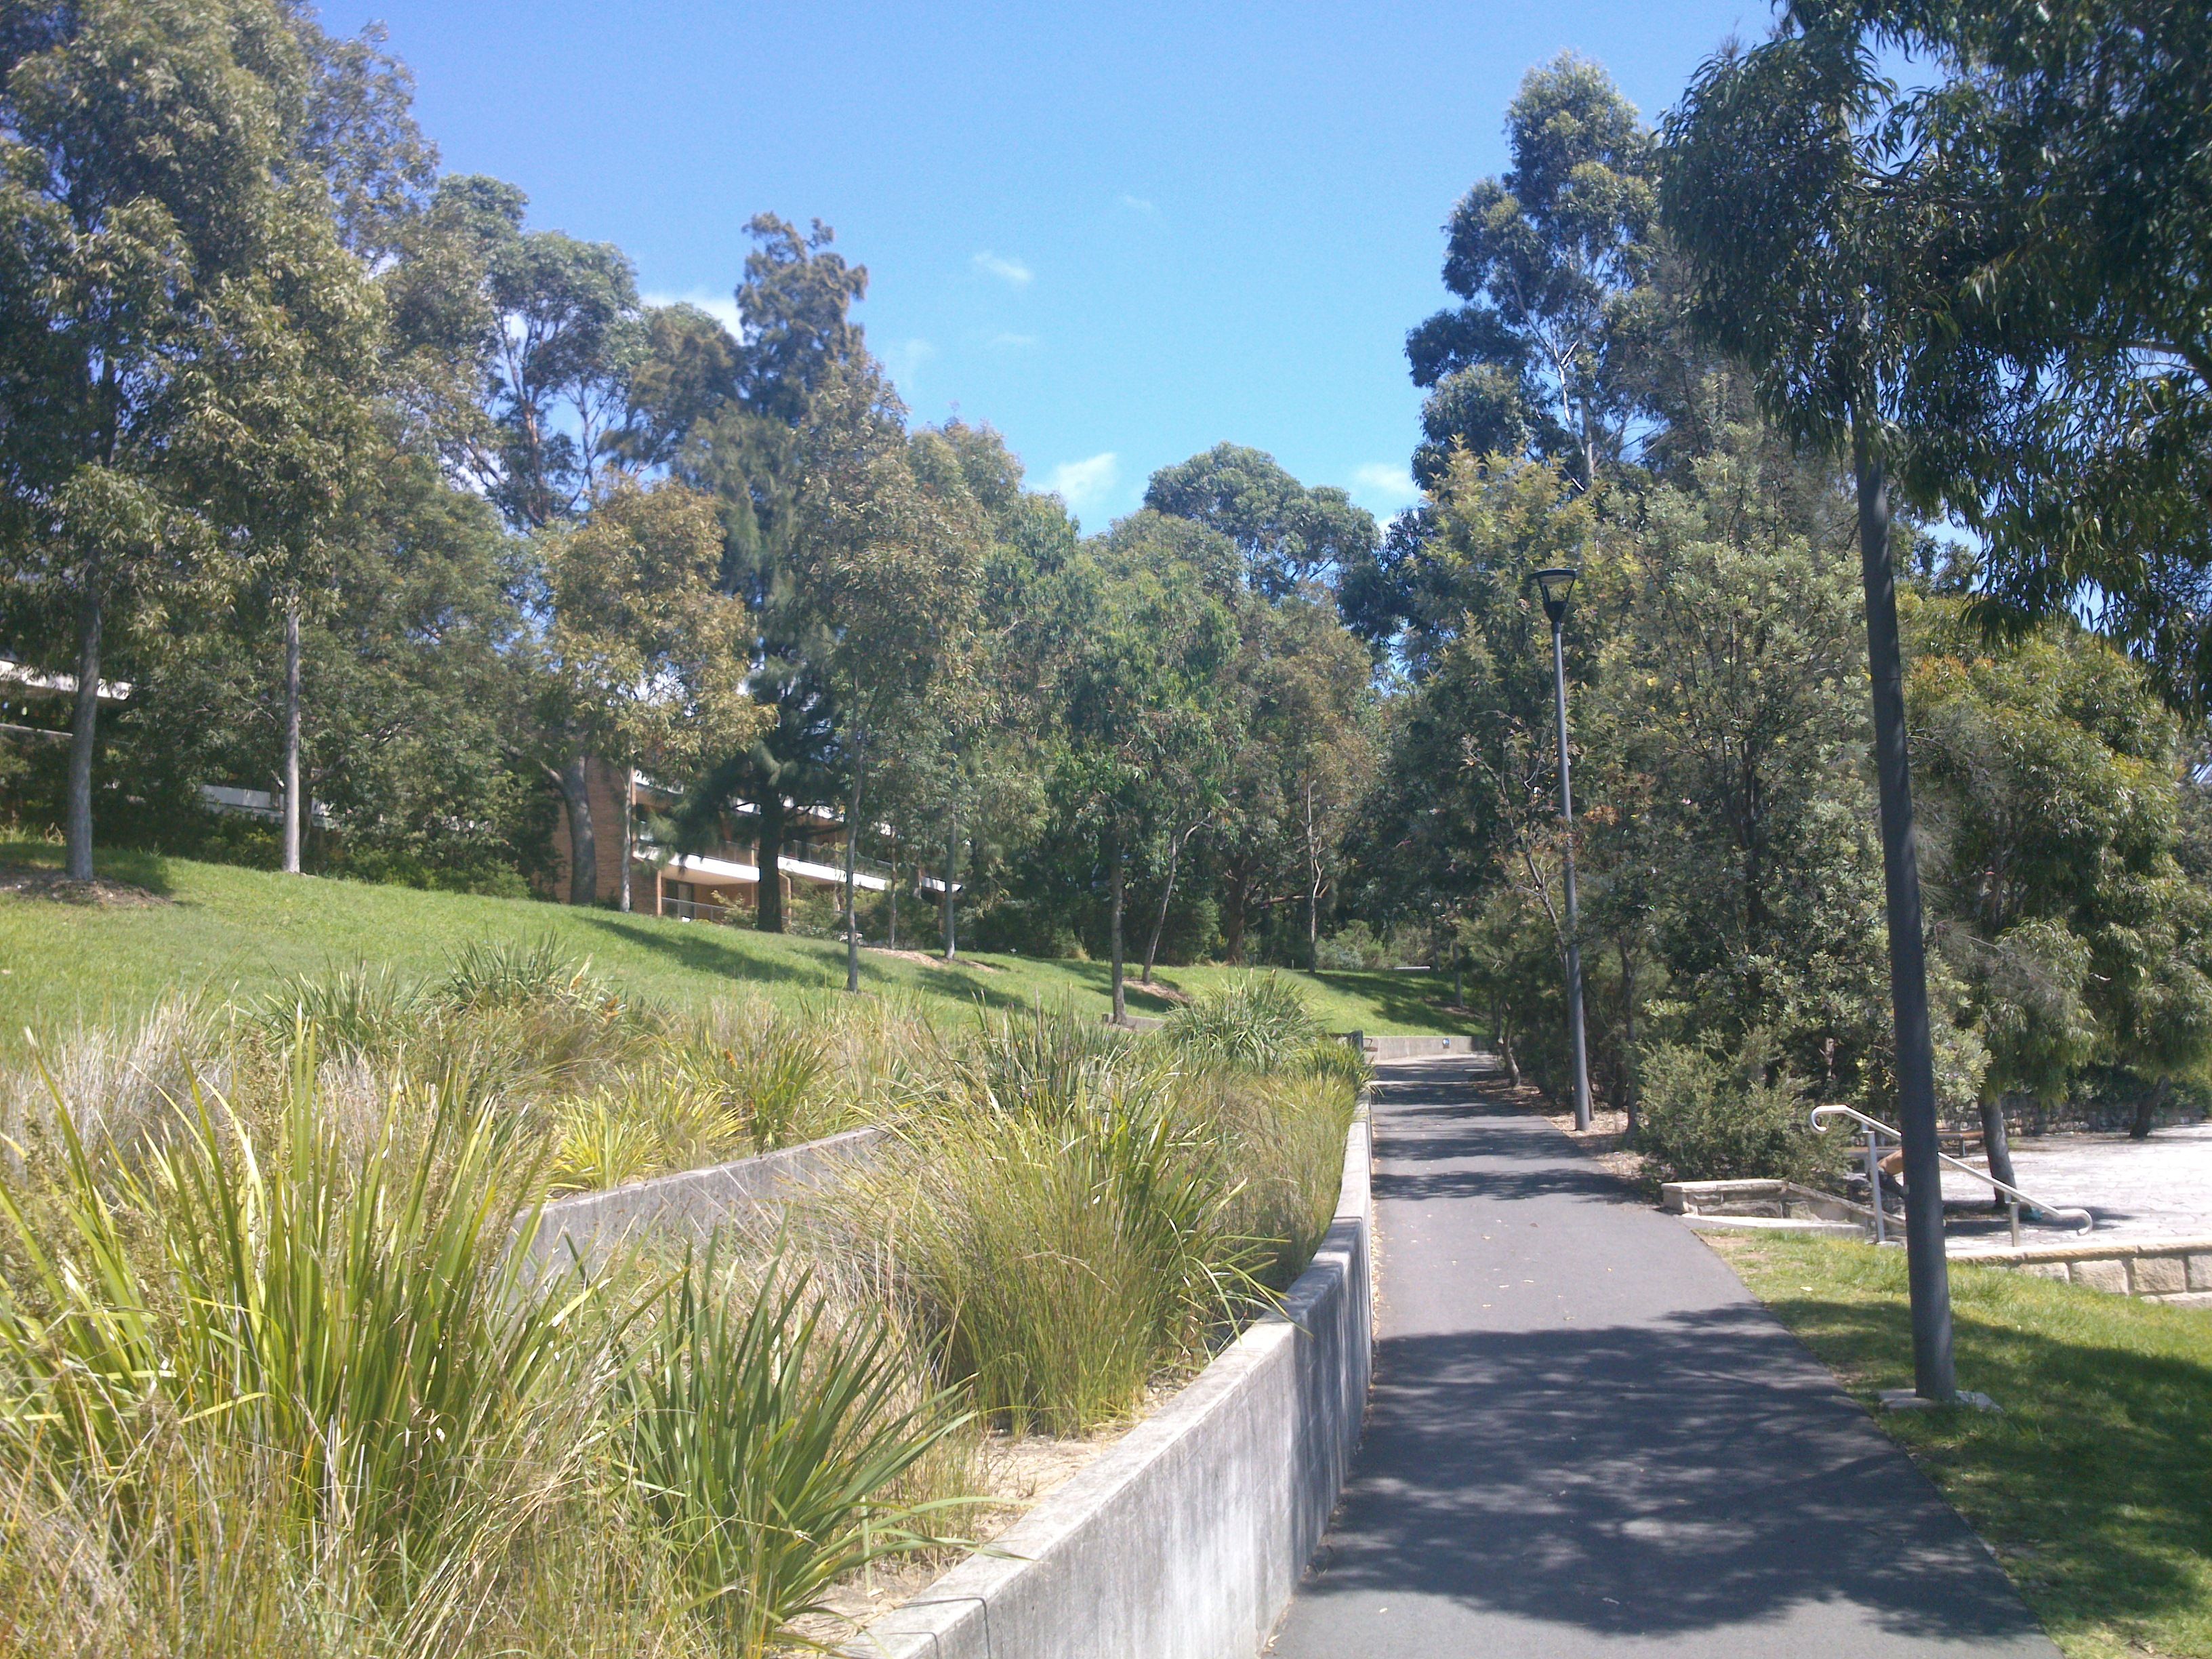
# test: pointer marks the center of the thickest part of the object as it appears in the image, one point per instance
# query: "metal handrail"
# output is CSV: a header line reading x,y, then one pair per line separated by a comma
x,y
1820,1113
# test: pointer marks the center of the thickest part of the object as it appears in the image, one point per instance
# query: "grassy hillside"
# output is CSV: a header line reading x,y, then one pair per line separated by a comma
x,y
230,931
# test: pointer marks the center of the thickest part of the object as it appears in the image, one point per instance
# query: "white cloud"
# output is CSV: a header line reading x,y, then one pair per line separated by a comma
x,y
1084,484
1137,203
906,359
1384,487
1012,272
722,307
1012,342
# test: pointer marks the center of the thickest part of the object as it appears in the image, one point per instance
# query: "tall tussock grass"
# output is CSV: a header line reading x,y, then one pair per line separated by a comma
x,y
1098,1213
278,1375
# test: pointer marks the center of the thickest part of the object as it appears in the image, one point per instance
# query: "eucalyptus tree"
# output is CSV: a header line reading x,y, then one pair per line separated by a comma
x,y
1138,641
641,644
1290,535
887,569
143,178
1545,258
1817,241
2072,145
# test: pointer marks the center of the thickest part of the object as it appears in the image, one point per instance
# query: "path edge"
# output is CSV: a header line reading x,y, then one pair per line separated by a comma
x,y
1187,1540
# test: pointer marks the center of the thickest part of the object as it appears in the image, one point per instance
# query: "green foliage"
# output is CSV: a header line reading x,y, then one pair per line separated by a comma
x,y
518,974
763,1433
1545,260
1714,1116
359,1315
1057,1263
358,1008
1255,1020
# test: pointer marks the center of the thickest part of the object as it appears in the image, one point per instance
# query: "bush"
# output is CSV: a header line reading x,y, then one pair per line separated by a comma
x,y
1712,1115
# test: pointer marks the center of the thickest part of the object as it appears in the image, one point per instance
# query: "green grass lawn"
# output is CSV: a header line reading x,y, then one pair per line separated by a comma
x,y
232,931
2095,1486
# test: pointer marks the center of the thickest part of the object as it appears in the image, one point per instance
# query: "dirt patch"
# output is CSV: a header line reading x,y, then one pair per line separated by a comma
x,y
931,959
29,883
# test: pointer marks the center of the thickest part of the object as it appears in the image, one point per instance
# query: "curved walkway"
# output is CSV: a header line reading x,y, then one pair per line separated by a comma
x,y
1587,1438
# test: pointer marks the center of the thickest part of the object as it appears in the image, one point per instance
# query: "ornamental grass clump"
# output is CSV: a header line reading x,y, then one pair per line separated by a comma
x,y
1255,1020
767,1438
359,1320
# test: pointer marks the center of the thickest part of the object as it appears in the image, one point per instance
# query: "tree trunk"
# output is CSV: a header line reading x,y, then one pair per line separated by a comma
x,y
1505,1053
1160,921
628,830
84,731
894,893
1120,999
1996,1146
292,803
2147,1109
767,894
1927,1272
1628,1037
1233,923
852,849
951,870
583,843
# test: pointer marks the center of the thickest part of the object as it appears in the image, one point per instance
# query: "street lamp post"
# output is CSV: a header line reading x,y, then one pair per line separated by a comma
x,y
1556,585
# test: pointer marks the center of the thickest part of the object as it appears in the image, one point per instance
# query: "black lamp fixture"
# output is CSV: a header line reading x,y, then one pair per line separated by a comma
x,y
1557,583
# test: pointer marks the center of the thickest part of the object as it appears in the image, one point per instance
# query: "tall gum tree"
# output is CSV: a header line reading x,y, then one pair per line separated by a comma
x,y
1813,234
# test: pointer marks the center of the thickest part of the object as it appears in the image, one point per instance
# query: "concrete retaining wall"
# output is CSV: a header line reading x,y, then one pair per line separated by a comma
x,y
2178,1270
1412,1047
1186,1540
693,1201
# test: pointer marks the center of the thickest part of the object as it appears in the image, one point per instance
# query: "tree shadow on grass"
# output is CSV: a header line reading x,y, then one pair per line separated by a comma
x,y
2096,1480
698,949
1416,1000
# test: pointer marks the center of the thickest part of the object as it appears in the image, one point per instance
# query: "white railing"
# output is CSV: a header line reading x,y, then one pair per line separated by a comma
x,y
1875,1126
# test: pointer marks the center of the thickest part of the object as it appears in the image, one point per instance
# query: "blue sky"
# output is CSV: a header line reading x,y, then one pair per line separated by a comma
x,y
1118,234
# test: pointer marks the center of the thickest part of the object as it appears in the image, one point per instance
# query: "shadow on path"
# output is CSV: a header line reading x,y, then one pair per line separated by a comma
x,y
1585,1432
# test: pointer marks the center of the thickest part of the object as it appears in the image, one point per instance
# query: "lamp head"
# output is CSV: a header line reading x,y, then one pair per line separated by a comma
x,y
1556,583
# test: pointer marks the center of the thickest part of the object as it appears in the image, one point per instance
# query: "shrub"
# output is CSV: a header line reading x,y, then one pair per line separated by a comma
x,y
1047,1063
1712,1115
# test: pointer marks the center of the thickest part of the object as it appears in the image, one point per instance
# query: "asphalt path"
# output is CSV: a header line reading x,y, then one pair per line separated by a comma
x,y
1587,1438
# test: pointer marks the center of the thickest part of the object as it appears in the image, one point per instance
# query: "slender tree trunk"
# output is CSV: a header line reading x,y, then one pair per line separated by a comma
x,y
1120,999
1160,921
952,873
1313,894
292,803
852,849
1505,1053
894,892
84,730
1927,1271
583,842
1996,1145
767,894
1628,1037
628,830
